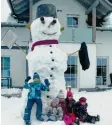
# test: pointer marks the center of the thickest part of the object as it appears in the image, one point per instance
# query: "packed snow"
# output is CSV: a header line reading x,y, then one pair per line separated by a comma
x,y
10,91
98,103
51,59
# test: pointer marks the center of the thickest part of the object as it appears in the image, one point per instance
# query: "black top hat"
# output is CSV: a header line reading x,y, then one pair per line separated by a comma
x,y
46,10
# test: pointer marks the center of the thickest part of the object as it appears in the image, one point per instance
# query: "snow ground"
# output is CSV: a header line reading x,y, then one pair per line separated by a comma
x,y
99,103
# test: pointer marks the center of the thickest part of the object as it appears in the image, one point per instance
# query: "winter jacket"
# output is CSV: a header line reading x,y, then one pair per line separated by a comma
x,y
35,89
83,56
81,111
53,114
70,105
64,107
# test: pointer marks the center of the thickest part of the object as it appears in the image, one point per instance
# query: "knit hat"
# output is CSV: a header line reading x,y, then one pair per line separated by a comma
x,y
61,94
82,99
55,100
36,75
69,94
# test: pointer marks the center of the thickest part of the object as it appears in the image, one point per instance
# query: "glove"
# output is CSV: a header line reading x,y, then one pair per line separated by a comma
x,y
46,81
27,79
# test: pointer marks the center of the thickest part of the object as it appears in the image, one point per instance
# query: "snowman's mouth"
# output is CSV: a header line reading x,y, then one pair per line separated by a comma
x,y
49,33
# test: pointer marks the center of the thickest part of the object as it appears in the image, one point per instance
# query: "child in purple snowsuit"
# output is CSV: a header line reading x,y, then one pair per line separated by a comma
x,y
81,112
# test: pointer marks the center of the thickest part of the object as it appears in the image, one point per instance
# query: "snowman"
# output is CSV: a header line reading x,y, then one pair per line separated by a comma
x,y
45,58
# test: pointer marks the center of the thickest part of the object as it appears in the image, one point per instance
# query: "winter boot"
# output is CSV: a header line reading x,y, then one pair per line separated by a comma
x,y
97,118
93,121
77,122
50,119
27,122
40,119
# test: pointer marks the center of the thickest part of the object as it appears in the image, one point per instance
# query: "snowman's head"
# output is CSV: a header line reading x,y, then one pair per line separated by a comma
x,y
46,25
45,28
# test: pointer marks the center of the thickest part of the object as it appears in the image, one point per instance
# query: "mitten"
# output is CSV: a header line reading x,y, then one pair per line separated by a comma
x,y
27,79
46,81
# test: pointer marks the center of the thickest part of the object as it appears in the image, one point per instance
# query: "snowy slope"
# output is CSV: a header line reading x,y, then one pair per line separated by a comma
x,y
99,103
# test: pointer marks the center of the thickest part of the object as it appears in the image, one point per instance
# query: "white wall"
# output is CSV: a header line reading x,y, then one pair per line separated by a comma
x,y
21,32
86,78
105,48
104,37
67,7
17,66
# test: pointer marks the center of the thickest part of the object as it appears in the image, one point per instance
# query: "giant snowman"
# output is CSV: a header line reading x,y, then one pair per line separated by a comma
x,y
45,58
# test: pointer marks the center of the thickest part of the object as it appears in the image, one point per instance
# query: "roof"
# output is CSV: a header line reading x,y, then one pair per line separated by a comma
x,y
20,8
103,7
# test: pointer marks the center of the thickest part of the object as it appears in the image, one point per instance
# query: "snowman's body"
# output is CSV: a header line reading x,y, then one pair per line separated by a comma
x,y
47,60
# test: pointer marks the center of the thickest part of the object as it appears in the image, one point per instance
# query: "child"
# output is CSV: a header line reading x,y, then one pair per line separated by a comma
x,y
81,112
70,117
54,111
62,102
34,96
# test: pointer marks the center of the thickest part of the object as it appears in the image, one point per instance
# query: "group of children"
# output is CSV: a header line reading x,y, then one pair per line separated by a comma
x,y
61,108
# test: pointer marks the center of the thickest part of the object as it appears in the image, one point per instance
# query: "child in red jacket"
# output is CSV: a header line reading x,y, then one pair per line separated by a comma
x,y
70,117
62,102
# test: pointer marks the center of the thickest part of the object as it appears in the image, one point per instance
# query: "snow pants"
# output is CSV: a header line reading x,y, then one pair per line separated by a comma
x,y
29,106
88,118
69,119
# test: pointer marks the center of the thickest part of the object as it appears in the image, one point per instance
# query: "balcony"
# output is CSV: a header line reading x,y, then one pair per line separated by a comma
x,y
76,35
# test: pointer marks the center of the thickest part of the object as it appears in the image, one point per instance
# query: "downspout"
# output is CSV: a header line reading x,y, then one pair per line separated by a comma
x,y
94,24
30,21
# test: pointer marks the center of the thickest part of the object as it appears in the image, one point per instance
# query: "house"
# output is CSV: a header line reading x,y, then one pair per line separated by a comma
x,y
82,21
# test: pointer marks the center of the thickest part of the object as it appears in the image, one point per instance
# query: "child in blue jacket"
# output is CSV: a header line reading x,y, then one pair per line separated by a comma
x,y
34,96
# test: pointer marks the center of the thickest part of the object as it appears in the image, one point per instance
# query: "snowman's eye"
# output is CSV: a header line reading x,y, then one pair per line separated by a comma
x,y
53,22
42,20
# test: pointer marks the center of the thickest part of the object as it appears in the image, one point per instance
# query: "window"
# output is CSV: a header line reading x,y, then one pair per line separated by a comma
x,y
72,20
5,70
71,72
101,78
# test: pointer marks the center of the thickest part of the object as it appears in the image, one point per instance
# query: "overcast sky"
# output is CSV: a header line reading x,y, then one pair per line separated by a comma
x,y
5,12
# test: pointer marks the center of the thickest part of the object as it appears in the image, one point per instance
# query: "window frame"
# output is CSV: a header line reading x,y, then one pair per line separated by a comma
x,y
6,66
107,70
72,76
72,15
